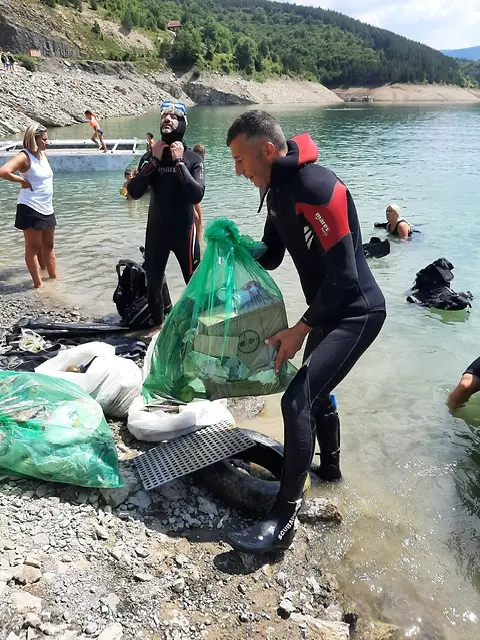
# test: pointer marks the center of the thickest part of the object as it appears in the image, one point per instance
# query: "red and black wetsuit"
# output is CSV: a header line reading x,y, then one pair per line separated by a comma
x,y
174,188
311,215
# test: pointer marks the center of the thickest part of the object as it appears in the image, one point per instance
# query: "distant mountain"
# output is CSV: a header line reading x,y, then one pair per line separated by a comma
x,y
471,53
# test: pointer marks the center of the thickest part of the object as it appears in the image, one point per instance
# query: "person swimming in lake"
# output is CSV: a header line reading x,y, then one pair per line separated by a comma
x,y
396,225
128,175
468,385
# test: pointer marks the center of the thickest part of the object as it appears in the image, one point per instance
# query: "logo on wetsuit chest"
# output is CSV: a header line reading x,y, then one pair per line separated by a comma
x,y
324,226
166,169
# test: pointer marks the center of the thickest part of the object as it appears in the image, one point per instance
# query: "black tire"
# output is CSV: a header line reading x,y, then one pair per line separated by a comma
x,y
231,479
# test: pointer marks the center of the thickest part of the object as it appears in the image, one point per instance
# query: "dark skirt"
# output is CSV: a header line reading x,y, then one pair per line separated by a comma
x,y
28,218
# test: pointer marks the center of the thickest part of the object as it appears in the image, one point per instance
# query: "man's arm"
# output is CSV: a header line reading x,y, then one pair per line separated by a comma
x,y
139,184
193,179
273,256
326,211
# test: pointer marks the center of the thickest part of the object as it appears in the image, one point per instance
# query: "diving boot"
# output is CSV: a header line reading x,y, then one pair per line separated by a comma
x,y
328,438
275,533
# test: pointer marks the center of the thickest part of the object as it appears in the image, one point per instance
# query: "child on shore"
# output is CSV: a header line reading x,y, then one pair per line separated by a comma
x,y
97,136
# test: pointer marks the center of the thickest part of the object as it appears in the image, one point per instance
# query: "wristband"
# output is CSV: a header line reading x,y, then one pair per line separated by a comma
x,y
178,161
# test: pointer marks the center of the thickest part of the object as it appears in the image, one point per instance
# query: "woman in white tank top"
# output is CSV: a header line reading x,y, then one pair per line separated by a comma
x,y
35,216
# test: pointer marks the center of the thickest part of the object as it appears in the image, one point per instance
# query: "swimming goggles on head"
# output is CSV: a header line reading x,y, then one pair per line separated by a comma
x,y
178,108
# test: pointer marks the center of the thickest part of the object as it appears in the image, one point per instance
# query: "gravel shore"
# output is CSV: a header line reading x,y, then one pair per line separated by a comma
x,y
82,563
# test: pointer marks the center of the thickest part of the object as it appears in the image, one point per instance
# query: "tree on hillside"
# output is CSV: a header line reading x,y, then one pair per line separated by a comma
x,y
186,48
127,20
245,54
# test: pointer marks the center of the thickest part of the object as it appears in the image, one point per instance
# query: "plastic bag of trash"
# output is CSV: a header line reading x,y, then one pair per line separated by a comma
x,y
213,342
155,423
51,429
112,381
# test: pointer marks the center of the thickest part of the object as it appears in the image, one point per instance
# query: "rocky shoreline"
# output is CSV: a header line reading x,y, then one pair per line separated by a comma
x,y
57,94
80,563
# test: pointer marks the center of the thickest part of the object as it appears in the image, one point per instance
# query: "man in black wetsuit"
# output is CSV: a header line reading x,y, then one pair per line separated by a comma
x,y
310,214
175,176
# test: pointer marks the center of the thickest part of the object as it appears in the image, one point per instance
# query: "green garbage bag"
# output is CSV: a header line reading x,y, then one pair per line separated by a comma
x,y
213,342
51,429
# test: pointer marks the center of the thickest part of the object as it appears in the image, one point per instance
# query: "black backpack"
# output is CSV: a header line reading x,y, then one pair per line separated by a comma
x,y
432,288
130,296
436,274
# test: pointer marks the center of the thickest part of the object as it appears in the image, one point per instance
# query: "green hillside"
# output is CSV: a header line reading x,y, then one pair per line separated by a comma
x,y
261,38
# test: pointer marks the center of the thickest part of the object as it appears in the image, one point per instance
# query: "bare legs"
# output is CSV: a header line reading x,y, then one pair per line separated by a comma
x,y
39,254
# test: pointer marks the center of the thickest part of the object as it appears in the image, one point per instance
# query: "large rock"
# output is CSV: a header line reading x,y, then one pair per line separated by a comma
x,y
24,602
322,629
205,95
115,497
316,510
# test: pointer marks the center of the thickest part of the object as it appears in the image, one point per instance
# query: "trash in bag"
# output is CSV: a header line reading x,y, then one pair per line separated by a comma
x,y
158,422
51,429
112,381
212,344
431,288
376,248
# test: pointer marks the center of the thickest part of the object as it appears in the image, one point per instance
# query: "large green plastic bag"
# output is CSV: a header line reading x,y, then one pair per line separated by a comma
x,y
213,342
51,429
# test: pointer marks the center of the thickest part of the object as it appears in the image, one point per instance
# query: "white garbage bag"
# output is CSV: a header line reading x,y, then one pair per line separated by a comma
x,y
152,424
112,381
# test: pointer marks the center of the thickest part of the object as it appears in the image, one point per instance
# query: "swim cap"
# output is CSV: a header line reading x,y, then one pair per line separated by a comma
x,y
396,208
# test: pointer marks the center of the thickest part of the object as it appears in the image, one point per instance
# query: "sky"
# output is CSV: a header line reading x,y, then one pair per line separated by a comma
x,y
437,23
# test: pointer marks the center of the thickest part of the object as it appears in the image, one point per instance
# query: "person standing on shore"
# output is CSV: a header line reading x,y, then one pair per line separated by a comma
x,y
97,136
200,149
35,215
175,177
310,214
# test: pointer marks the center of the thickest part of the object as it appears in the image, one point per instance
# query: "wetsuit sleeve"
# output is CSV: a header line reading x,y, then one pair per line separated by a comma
x,y
139,184
327,215
273,256
193,180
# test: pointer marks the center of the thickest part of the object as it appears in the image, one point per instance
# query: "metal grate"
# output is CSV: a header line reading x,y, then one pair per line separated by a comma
x,y
189,453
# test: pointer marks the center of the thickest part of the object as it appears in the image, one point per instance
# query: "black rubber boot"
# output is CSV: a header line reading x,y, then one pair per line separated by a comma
x,y
328,438
275,533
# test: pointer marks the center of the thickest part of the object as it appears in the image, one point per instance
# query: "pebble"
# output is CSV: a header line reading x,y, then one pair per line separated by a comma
x,y
32,561
102,533
90,628
111,601
23,574
143,577
286,608
112,632
179,585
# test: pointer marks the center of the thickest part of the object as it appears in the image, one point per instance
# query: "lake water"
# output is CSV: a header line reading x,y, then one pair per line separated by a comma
x,y
409,546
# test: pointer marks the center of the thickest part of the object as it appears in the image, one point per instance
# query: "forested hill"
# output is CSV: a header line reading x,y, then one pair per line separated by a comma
x,y
263,38
273,37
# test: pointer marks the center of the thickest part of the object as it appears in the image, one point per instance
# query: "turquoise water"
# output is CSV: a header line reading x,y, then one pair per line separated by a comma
x,y
409,547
